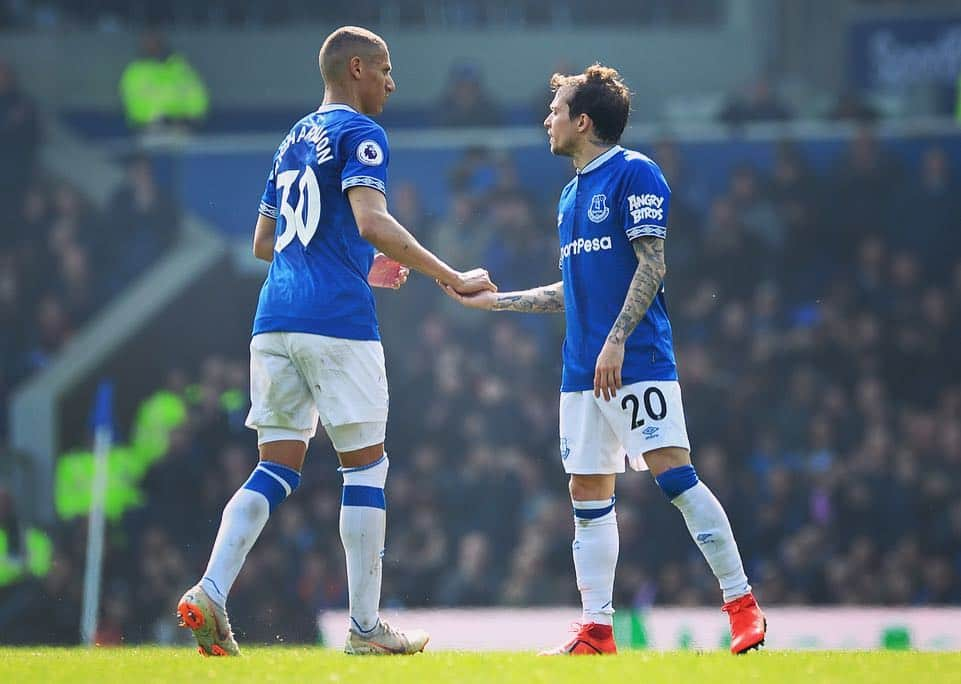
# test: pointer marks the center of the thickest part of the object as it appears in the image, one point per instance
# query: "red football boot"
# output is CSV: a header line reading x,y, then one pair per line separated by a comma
x,y
591,639
748,624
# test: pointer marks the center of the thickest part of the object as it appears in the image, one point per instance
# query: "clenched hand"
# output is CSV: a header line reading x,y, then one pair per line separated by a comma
x,y
386,272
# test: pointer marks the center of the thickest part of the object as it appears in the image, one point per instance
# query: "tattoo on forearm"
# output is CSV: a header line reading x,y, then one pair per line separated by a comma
x,y
546,299
647,280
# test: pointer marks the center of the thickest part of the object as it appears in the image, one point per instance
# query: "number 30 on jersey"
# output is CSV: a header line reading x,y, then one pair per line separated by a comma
x,y
296,223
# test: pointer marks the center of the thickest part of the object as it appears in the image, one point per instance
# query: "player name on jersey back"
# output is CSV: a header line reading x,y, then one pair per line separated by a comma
x,y
312,133
317,282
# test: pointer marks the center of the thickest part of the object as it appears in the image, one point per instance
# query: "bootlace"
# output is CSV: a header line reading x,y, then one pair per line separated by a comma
x,y
393,632
737,605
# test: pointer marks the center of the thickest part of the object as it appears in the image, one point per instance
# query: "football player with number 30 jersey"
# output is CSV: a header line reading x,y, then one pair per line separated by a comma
x,y
317,281
316,352
620,397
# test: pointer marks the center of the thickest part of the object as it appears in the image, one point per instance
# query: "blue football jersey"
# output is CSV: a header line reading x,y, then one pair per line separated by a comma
x,y
317,282
621,195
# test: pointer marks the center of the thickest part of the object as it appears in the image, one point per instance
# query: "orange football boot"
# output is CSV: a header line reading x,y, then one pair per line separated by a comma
x,y
591,639
209,623
748,624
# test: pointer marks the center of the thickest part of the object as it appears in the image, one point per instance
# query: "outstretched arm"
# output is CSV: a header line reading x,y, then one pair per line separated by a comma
x,y
382,230
544,299
644,286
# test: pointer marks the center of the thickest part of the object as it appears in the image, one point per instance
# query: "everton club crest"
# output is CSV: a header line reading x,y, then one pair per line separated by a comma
x,y
598,210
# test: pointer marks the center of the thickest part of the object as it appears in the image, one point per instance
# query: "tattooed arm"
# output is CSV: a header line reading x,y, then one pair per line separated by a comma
x,y
545,299
644,286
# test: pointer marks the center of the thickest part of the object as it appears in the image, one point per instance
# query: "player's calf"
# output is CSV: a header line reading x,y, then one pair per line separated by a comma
x,y
709,528
242,522
363,524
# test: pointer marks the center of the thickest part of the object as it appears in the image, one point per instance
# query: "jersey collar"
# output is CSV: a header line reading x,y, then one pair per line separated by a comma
x,y
335,107
600,159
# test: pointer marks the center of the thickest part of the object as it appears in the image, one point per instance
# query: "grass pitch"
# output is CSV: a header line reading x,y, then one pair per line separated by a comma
x,y
289,664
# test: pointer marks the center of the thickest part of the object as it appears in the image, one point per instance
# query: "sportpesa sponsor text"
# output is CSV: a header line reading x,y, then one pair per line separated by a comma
x,y
579,245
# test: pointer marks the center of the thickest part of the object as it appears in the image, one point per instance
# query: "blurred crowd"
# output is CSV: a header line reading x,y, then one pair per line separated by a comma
x,y
111,14
816,319
60,257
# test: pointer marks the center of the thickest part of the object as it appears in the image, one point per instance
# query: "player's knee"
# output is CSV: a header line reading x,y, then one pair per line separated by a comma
x,y
364,485
274,481
661,460
591,487
675,481
362,457
289,453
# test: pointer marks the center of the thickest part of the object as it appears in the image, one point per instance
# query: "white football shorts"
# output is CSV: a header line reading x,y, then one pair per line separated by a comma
x,y
296,378
597,435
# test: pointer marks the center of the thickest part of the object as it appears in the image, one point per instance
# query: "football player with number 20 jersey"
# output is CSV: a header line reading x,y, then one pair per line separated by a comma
x,y
316,352
620,396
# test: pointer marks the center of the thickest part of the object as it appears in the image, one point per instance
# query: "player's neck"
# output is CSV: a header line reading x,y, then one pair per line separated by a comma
x,y
333,96
588,152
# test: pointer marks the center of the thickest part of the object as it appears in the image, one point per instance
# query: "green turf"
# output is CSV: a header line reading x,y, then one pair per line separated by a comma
x,y
290,665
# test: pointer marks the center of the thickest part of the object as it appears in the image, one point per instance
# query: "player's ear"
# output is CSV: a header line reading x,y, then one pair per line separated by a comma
x,y
355,66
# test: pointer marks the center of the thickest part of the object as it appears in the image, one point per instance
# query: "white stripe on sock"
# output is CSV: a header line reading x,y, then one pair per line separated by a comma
x,y
282,481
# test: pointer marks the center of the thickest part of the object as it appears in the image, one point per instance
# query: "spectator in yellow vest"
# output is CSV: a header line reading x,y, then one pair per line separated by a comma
x,y
160,88
24,551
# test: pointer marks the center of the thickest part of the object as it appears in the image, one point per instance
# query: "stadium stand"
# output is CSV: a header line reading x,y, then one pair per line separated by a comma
x,y
459,13
60,259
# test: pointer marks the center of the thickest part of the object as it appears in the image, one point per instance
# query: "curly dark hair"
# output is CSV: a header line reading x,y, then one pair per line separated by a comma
x,y
600,93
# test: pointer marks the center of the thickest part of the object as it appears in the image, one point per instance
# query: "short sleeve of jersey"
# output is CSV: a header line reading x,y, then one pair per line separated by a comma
x,y
268,201
645,201
365,157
